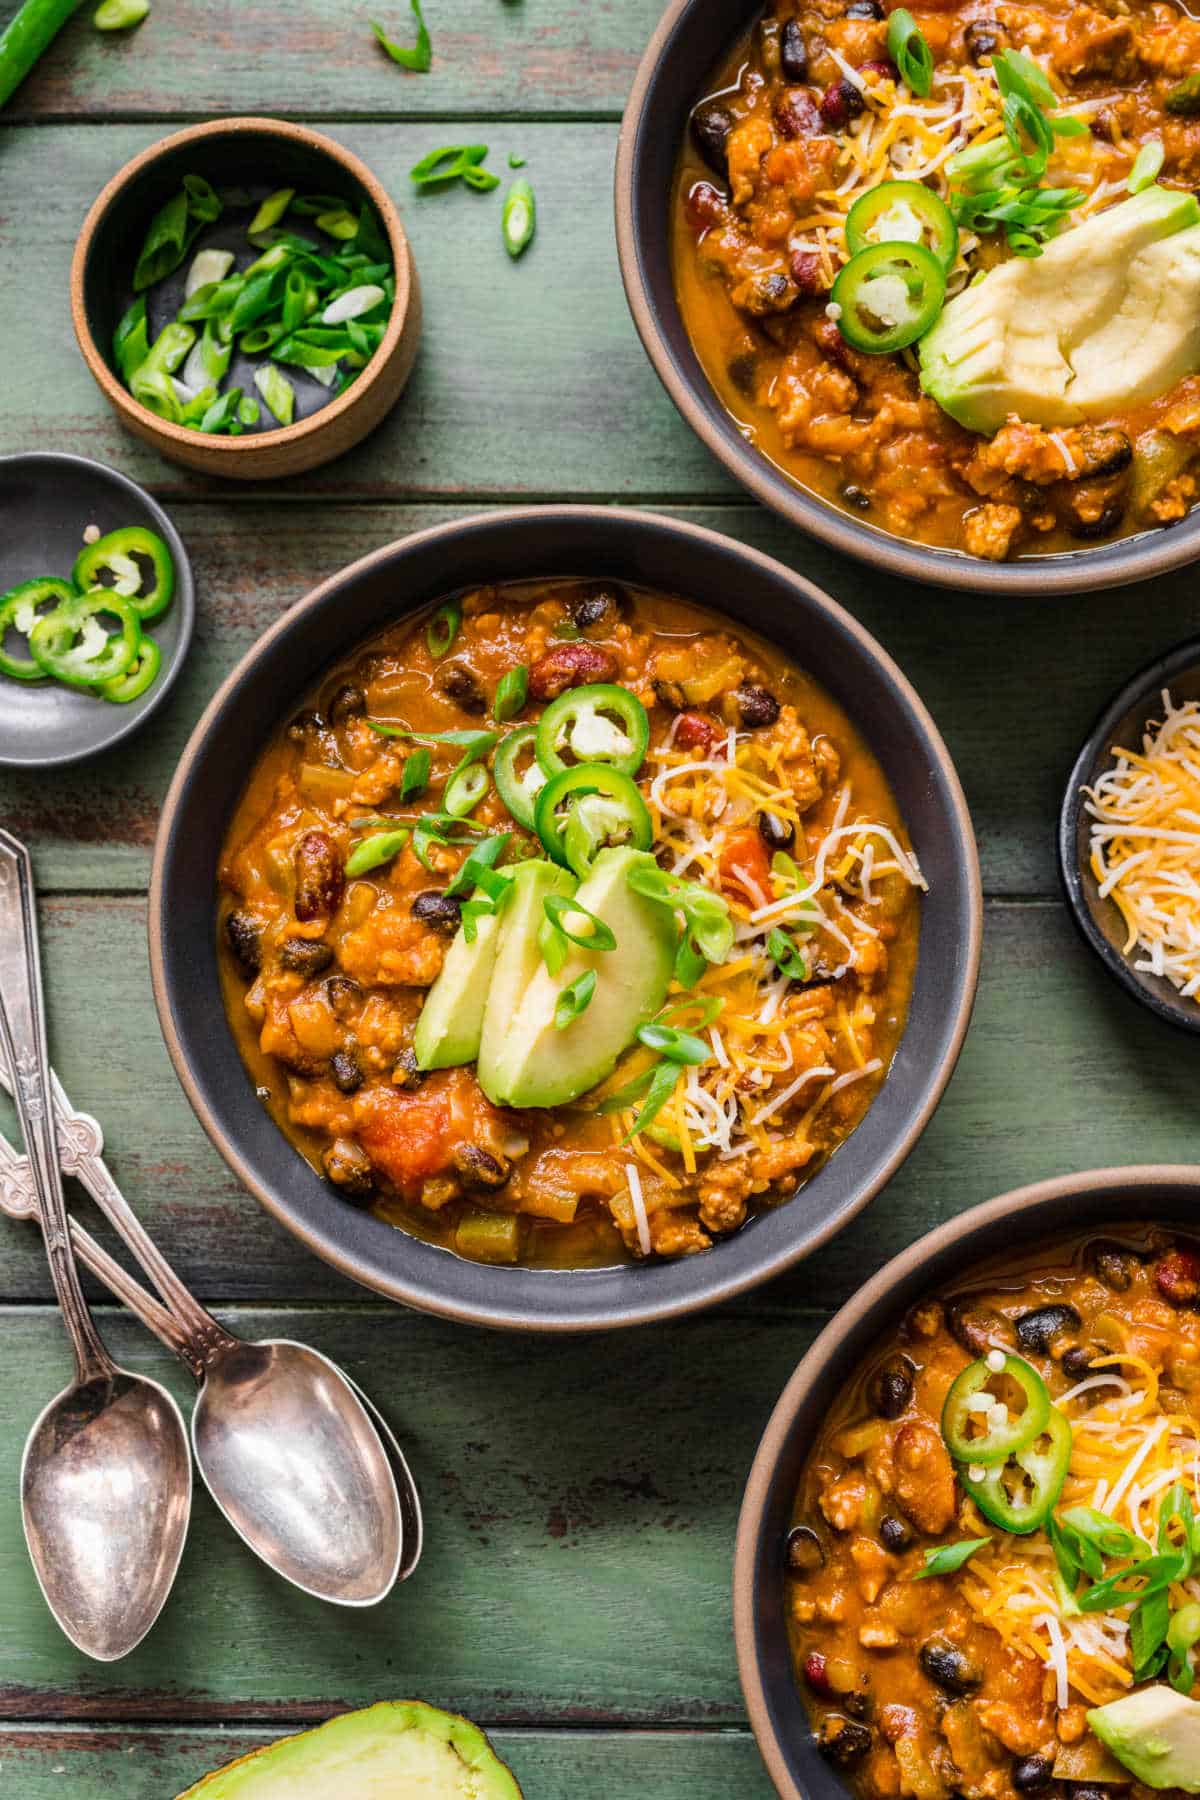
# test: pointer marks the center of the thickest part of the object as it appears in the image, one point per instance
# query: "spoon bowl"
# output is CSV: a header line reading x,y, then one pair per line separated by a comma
x,y
105,1562
294,1462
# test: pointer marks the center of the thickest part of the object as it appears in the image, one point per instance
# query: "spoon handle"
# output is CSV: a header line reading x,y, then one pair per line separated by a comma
x,y
23,1037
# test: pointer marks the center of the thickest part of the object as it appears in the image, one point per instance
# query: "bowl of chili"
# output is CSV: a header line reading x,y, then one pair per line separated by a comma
x,y
564,542
1049,1221
299,326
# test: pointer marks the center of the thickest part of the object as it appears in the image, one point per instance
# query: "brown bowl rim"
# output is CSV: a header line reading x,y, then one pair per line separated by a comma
x,y
502,1313
243,449
1136,558
811,1368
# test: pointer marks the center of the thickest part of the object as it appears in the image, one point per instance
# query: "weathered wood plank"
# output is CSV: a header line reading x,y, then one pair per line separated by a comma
x,y
587,1765
1060,1072
579,1534
530,379
316,59
1013,687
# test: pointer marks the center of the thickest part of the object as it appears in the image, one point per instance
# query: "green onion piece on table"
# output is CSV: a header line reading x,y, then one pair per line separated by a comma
x,y
482,180
446,163
515,161
374,851
443,628
1146,166
277,391
270,212
574,999
945,1558
420,57
909,51
519,219
120,15
511,693
28,34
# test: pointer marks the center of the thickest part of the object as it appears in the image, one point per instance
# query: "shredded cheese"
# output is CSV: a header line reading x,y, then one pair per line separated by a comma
x,y
633,1176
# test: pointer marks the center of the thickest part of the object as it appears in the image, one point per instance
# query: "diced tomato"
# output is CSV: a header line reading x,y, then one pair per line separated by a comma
x,y
407,1135
746,868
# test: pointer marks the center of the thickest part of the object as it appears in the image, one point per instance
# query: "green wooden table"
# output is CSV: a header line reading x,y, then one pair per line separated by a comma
x,y
581,1496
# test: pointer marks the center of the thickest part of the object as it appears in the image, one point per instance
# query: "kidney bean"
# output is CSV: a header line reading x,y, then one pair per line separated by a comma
x,y
816,1674
880,66
704,206
1178,1277
568,666
840,103
695,732
796,115
320,876
805,266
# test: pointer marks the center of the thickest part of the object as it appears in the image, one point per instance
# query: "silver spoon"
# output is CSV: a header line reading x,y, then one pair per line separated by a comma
x,y
106,1480
17,1202
283,1438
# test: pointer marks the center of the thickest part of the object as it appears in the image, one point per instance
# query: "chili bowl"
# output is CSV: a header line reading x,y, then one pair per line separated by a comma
x,y
48,500
401,578
692,38
1071,1205
1097,917
264,154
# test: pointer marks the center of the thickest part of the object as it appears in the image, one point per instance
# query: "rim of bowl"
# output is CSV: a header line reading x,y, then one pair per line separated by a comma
x,y
1130,559
565,1316
1184,1015
811,1369
246,125
184,599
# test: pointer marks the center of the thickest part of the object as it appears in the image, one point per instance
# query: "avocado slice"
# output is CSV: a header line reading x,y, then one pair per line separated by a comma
x,y
451,1020
544,1066
517,960
398,1747
1155,1734
1107,316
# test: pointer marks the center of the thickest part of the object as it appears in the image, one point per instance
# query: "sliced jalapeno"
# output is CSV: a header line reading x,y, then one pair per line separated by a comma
x,y
975,1435
137,678
519,791
903,212
19,612
1019,1494
601,723
603,807
72,645
115,556
889,296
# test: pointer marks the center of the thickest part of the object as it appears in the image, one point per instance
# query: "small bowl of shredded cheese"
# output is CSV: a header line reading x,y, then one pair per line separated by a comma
x,y
1129,837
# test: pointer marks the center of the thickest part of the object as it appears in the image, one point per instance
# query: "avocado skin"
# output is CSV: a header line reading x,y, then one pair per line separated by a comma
x,y
517,961
1155,1734
335,1751
548,1067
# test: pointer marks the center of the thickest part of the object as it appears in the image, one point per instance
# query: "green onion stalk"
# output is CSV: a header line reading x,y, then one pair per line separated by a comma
x,y
28,36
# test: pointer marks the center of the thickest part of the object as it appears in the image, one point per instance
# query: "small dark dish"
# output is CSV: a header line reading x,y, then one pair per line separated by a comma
x,y
260,154
1076,1204
564,541
692,39
47,499
1099,922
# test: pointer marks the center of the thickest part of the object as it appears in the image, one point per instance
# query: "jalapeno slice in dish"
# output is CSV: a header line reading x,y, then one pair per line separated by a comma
x,y
979,1426
603,807
132,562
1019,1493
600,723
19,610
889,296
518,788
903,212
137,678
73,644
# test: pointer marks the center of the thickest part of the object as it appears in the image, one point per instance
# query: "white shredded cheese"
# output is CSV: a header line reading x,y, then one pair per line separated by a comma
x,y
639,1206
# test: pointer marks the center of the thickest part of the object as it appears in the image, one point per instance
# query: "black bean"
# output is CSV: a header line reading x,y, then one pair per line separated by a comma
x,y
1076,1362
343,994
793,53
765,292
864,9
976,1328
349,1168
346,1070
478,1168
244,934
711,126
983,37
459,685
948,1666
803,1552
304,723
348,703
408,1072
843,1741
1106,449
1085,523
859,1706
1083,1790
857,497
1114,1265
597,603
892,1388
304,956
757,706
776,834
1037,1330
742,370
443,912
894,1534
1031,1773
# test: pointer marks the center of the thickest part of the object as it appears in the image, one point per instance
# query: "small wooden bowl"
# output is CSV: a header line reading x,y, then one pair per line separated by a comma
x,y
232,152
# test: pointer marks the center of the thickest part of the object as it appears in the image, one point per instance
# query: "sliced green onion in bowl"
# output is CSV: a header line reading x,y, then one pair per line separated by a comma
x,y
352,303
277,391
270,212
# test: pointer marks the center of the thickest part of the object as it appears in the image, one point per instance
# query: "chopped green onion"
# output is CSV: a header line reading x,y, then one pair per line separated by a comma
x,y
786,956
478,743
574,999
676,1046
465,788
373,851
420,57
277,391
482,180
598,937
1182,1634
340,224
131,343
484,856
30,32
511,693
446,163
415,777
519,219
443,628
1146,166
165,244
662,1086
119,15
1148,1625
1093,1535
945,1558
515,161
204,202
910,52
222,413
312,205
270,212
1022,119
249,411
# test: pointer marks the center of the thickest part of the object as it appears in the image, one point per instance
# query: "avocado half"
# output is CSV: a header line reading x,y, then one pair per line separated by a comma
x,y
398,1747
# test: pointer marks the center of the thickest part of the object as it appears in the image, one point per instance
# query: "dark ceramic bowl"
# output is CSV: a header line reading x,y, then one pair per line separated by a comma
x,y
1099,922
1076,1204
692,37
359,602
47,499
